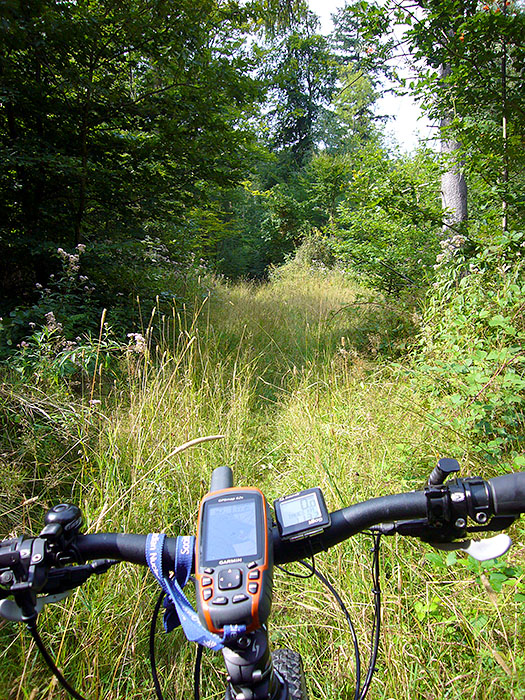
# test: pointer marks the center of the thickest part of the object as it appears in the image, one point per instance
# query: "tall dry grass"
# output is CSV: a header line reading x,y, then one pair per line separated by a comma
x,y
295,375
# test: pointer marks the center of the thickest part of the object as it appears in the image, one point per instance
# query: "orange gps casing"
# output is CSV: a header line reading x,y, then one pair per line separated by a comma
x,y
234,559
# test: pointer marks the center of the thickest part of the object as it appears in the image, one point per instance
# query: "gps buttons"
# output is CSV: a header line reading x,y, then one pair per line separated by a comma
x,y
229,579
220,600
239,598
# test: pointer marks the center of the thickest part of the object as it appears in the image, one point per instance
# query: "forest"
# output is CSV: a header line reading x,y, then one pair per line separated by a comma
x,y
205,229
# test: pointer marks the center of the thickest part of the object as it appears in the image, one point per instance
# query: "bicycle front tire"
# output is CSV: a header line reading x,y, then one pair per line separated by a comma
x,y
289,665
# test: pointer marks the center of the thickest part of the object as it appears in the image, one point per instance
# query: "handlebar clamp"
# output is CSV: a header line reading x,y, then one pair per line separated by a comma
x,y
23,572
450,505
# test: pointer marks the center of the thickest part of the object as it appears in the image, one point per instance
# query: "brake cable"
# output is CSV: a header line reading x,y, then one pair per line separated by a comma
x,y
360,693
344,609
31,626
152,656
62,581
152,659
376,625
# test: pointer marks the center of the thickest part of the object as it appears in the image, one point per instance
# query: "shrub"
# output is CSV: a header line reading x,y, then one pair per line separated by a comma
x,y
472,344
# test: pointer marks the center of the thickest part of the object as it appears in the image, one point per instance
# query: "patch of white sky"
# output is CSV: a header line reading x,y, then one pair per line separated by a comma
x,y
407,126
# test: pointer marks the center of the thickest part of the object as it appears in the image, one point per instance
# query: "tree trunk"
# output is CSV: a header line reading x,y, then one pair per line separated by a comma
x,y
453,184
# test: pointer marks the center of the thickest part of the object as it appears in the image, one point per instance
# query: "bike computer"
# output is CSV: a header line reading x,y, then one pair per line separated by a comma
x,y
234,559
302,514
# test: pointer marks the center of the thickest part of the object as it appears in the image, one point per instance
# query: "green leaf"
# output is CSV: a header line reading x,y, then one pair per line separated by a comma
x,y
451,558
436,559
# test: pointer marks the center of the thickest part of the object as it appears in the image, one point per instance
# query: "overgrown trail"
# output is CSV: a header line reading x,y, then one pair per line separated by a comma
x,y
297,375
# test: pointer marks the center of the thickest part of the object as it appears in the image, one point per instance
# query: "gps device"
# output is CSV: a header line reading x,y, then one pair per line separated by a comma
x,y
234,559
302,514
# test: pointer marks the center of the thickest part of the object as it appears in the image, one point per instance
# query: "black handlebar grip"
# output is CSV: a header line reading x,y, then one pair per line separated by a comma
x,y
221,478
508,492
121,546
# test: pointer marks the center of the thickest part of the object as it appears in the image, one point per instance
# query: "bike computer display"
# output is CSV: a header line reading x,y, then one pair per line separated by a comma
x,y
302,514
234,559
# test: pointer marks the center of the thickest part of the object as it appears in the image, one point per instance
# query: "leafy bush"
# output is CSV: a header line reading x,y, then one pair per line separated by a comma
x,y
128,279
472,344
388,224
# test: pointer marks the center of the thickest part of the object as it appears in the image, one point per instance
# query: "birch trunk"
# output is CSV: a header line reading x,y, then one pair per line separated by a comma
x,y
453,184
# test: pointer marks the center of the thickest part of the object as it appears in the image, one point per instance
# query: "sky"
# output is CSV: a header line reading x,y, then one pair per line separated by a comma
x,y
407,124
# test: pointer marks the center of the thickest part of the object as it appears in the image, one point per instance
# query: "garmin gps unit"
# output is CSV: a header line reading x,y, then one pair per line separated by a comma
x,y
302,514
234,559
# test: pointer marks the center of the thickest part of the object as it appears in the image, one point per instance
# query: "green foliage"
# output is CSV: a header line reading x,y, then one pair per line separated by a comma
x,y
301,72
468,61
494,574
472,345
387,225
85,285
115,122
327,180
46,356
482,46
352,122
363,36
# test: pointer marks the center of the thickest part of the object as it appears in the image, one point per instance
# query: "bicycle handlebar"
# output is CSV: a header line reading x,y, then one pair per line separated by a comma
x,y
350,521
438,514
344,523
500,496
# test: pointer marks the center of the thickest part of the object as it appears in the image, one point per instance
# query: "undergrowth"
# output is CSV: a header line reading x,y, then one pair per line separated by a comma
x,y
296,376
471,355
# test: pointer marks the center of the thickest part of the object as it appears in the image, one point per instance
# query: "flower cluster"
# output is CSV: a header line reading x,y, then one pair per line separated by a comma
x,y
51,322
449,246
71,268
137,343
71,261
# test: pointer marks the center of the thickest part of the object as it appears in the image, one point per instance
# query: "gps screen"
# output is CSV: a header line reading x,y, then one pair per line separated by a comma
x,y
231,530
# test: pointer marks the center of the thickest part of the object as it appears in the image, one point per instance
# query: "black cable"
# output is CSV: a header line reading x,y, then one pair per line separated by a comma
x,y
360,693
31,626
152,660
294,575
376,626
197,674
343,607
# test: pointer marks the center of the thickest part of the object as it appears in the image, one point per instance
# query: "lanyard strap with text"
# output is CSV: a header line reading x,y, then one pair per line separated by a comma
x,y
178,607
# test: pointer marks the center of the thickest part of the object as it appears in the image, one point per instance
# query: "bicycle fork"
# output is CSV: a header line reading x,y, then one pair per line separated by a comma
x,y
251,675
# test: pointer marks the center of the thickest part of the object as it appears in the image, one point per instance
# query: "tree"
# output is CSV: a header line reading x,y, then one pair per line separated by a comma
x,y
453,183
301,74
115,120
386,225
351,122
469,62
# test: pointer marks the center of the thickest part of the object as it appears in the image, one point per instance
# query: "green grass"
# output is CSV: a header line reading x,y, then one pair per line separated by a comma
x,y
297,376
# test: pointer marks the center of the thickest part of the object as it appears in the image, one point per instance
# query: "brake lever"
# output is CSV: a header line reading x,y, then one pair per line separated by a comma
x,y
12,612
68,577
482,550
58,585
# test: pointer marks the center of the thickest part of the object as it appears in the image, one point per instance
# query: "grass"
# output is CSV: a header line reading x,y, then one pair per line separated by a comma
x,y
297,376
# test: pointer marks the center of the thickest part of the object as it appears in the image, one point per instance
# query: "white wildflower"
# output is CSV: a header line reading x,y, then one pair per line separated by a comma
x,y
137,343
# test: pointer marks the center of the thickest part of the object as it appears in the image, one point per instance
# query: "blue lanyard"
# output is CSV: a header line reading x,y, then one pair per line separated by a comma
x,y
178,608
